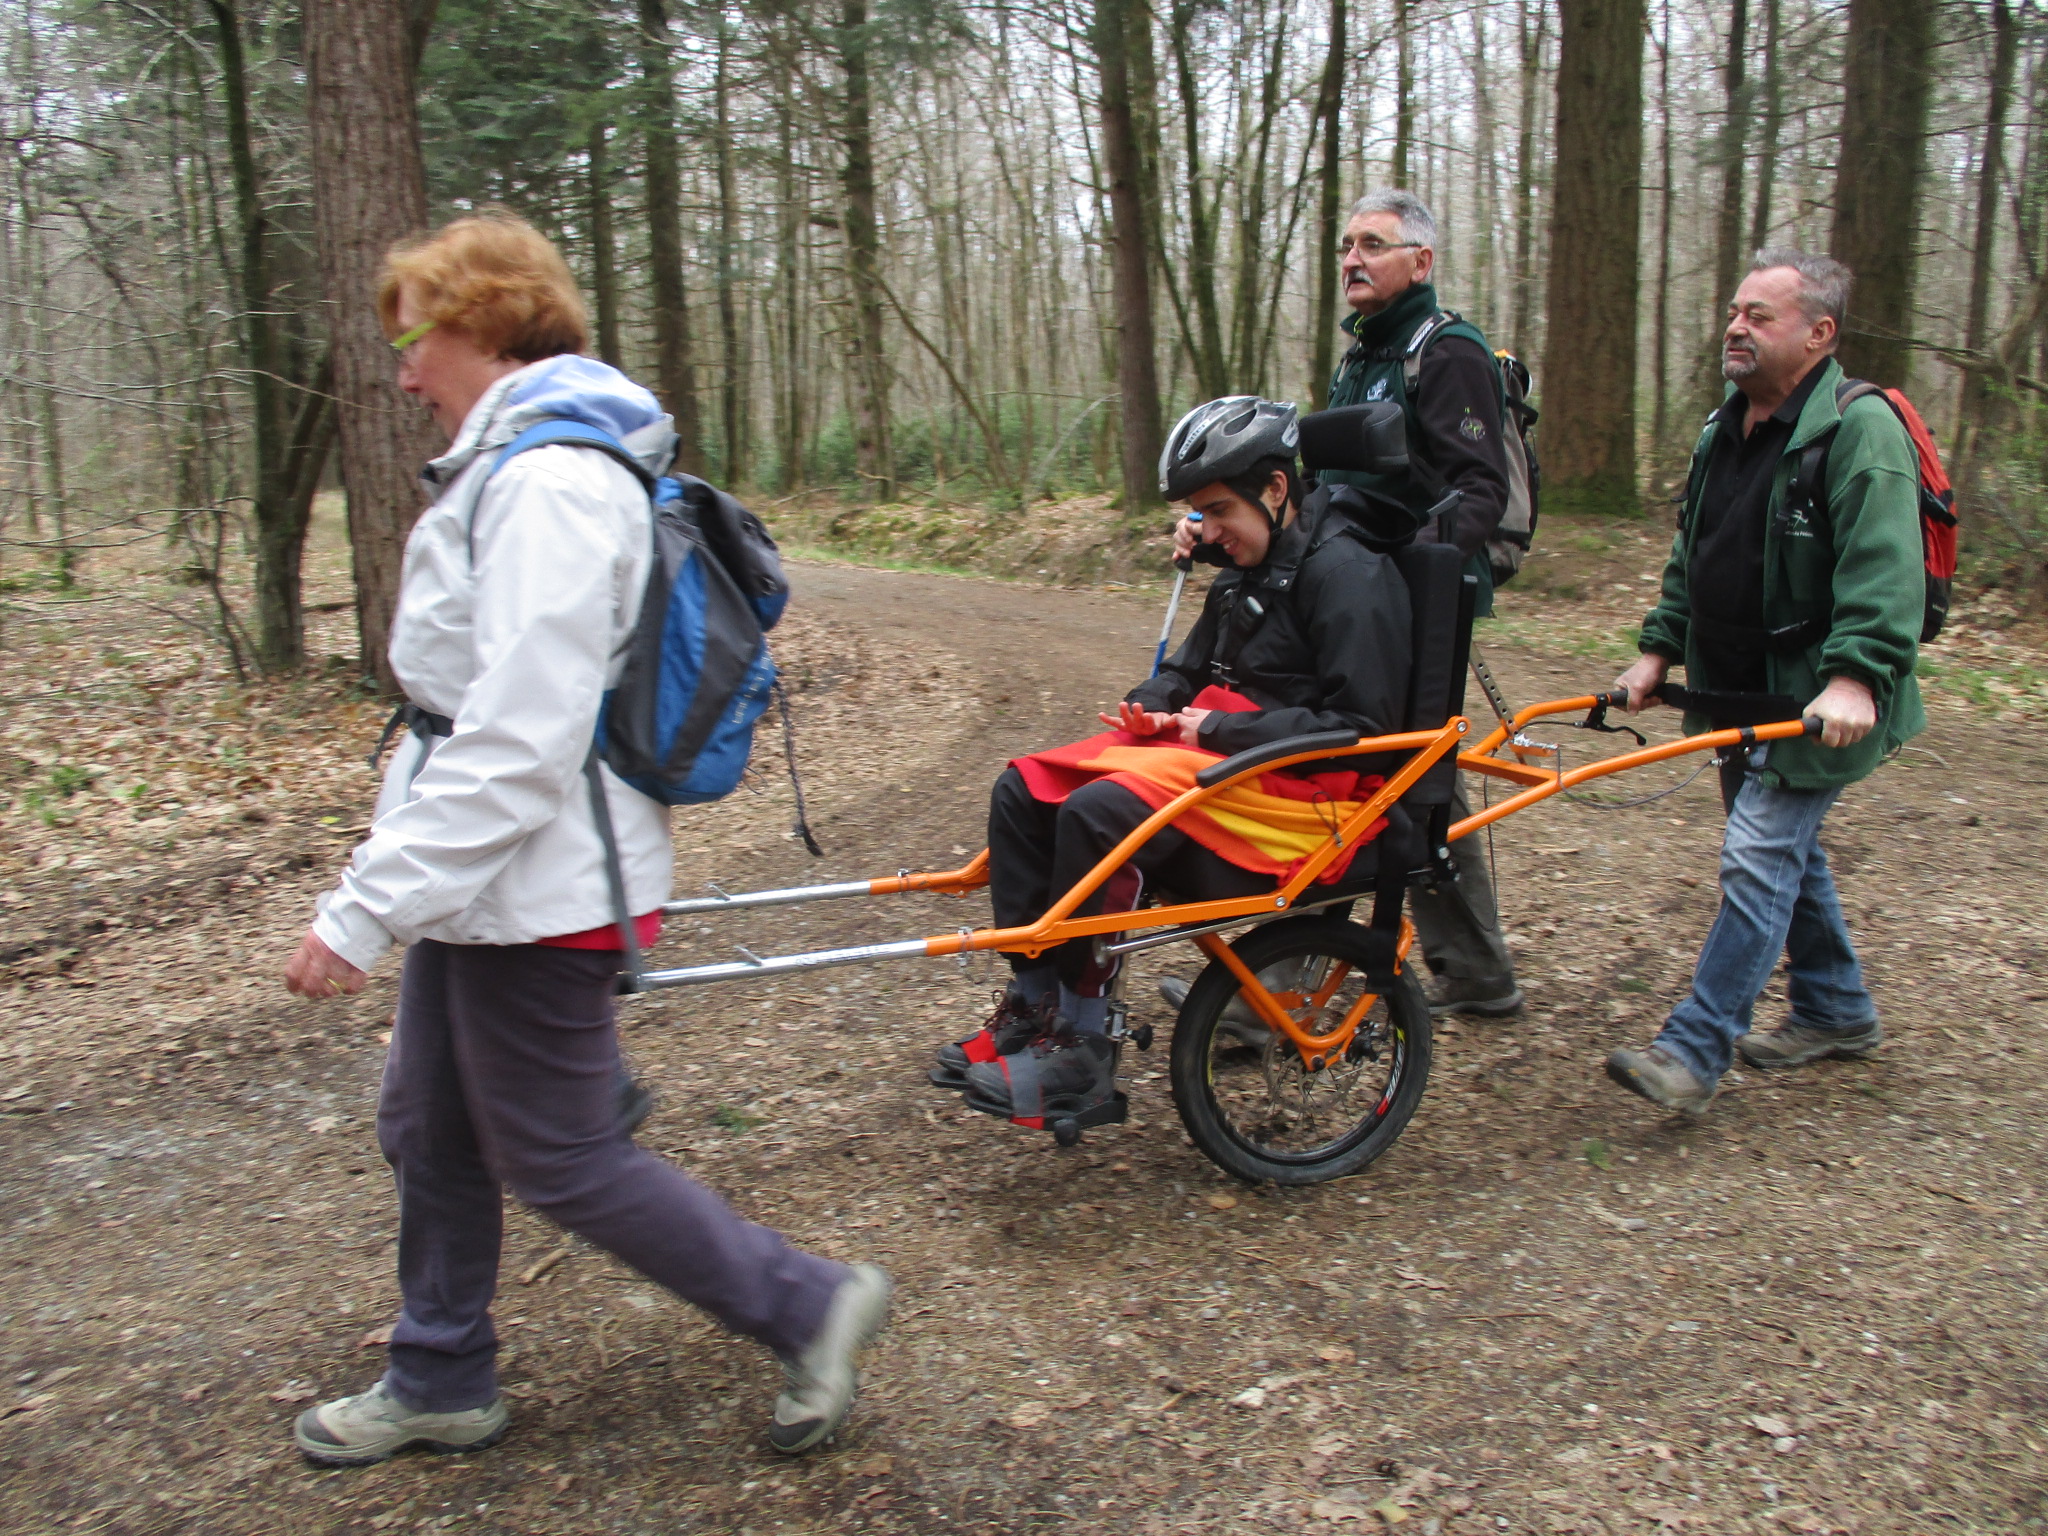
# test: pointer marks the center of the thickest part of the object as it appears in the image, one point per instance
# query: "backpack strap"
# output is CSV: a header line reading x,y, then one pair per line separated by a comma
x,y
1807,489
1425,333
569,434
614,872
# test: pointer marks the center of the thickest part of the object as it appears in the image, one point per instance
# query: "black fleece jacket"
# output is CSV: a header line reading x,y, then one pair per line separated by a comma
x,y
1329,651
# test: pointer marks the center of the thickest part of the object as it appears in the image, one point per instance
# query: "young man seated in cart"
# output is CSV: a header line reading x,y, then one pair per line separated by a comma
x,y
1306,629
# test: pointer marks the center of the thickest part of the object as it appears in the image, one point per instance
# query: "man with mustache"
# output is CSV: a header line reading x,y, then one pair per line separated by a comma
x,y
1810,592
1455,443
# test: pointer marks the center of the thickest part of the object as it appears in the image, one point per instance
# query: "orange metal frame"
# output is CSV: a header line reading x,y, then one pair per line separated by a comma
x,y
1059,924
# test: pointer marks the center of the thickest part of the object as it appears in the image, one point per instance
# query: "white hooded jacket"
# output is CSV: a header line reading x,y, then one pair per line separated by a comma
x,y
517,598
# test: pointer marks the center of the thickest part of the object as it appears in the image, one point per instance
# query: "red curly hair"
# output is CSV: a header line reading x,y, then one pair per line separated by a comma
x,y
496,279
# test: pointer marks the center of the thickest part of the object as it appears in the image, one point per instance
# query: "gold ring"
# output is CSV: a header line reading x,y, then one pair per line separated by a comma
x,y
334,984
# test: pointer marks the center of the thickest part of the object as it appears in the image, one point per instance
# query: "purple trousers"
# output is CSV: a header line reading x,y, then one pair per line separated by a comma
x,y
503,1075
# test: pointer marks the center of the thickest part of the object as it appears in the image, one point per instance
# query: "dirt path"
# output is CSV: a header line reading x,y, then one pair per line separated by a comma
x,y
1549,1309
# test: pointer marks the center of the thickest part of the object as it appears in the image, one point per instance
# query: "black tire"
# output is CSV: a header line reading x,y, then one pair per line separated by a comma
x,y
1254,1110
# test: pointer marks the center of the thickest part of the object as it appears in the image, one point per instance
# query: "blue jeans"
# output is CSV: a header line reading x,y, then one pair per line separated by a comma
x,y
1777,896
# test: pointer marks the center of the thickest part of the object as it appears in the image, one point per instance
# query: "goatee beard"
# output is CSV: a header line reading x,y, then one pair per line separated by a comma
x,y
1737,366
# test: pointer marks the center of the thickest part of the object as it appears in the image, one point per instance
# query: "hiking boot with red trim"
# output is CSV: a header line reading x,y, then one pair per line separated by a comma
x,y
1012,1027
1062,1075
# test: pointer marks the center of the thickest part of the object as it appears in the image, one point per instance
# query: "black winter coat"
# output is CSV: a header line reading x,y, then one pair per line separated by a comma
x,y
1329,651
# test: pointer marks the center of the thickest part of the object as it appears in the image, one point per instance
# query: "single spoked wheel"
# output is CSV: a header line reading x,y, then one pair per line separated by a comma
x,y
1251,1100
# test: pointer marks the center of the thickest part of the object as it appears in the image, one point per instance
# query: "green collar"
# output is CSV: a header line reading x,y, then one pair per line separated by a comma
x,y
1392,326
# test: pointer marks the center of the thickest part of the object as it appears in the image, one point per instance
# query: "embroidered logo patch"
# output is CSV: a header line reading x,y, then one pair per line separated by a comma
x,y
1472,429
1378,390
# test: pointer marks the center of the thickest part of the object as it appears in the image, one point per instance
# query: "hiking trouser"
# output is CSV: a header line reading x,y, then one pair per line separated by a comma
x,y
1038,851
1458,924
503,1076
1777,897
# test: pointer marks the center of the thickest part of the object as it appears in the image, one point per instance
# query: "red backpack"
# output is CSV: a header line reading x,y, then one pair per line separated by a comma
x,y
1937,497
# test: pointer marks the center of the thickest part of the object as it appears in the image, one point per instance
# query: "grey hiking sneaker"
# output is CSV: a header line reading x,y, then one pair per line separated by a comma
x,y
373,1426
1012,1027
1794,1045
1661,1078
1494,997
821,1380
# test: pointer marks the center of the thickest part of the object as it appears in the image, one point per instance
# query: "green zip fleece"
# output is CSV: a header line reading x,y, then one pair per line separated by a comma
x,y
1860,567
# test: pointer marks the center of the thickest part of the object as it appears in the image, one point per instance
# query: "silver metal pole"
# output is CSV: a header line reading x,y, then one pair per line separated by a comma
x,y
787,897
778,965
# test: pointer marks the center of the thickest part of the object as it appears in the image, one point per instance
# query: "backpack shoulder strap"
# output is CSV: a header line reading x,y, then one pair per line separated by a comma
x,y
1808,487
1425,333
557,430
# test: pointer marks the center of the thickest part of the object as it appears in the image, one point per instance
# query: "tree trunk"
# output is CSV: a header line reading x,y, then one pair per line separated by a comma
x,y
1589,364
1117,33
1254,239
1481,285
1404,95
1977,395
874,450
674,368
369,191
1734,135
731,391
1531,39
1211,368
1885,79
1773,126
1330,208
604,246
1660,329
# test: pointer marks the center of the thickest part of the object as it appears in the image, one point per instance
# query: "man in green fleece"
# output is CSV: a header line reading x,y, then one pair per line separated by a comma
x,y
1816,598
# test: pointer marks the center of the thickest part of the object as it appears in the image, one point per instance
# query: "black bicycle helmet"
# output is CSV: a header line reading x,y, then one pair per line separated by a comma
x,y
1224,439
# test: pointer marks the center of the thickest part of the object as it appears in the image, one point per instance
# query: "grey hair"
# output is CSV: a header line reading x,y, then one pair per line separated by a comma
x,y
1417,223
1823,281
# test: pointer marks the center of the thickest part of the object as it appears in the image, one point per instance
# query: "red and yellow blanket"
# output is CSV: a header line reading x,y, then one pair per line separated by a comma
x,y
1269,825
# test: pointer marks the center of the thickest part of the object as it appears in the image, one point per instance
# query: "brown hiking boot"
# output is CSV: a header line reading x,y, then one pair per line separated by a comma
x,y
1794,1045
1661,1078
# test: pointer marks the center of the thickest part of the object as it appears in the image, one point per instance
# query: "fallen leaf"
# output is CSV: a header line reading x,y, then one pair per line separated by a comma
x,y
1250,1397
1412,1279
376,1338
1390,1512
323,1124
1222,1202
1335,1354
194,1395
1337,1509
1765,1424
1597,1154
869,1466
1028,1416
1457,1504
1619,1223
27,1404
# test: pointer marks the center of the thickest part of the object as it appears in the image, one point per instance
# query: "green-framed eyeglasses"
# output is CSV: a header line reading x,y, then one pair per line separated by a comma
x,y
400,343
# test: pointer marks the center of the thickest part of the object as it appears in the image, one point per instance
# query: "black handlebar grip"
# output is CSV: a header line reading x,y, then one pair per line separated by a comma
x,y
1814,725
1184,562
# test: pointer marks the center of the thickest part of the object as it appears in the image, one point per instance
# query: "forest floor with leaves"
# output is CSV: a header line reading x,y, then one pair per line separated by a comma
x,y
1550,1308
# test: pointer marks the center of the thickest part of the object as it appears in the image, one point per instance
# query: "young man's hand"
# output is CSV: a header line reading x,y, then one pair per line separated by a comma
x,y
1140,721
1184,539
1847,710
1643,680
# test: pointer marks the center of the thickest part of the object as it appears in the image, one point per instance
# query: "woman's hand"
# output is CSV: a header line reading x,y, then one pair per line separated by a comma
x,y
1139,721
1189,723
317,971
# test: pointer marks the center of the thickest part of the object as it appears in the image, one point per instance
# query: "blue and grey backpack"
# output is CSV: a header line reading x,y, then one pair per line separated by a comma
x,y
679,724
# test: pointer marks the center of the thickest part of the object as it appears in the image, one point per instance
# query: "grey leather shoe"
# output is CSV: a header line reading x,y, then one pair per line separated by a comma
x,y
1662,1079
373,1426
821,1380
1794,1045
1492,997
